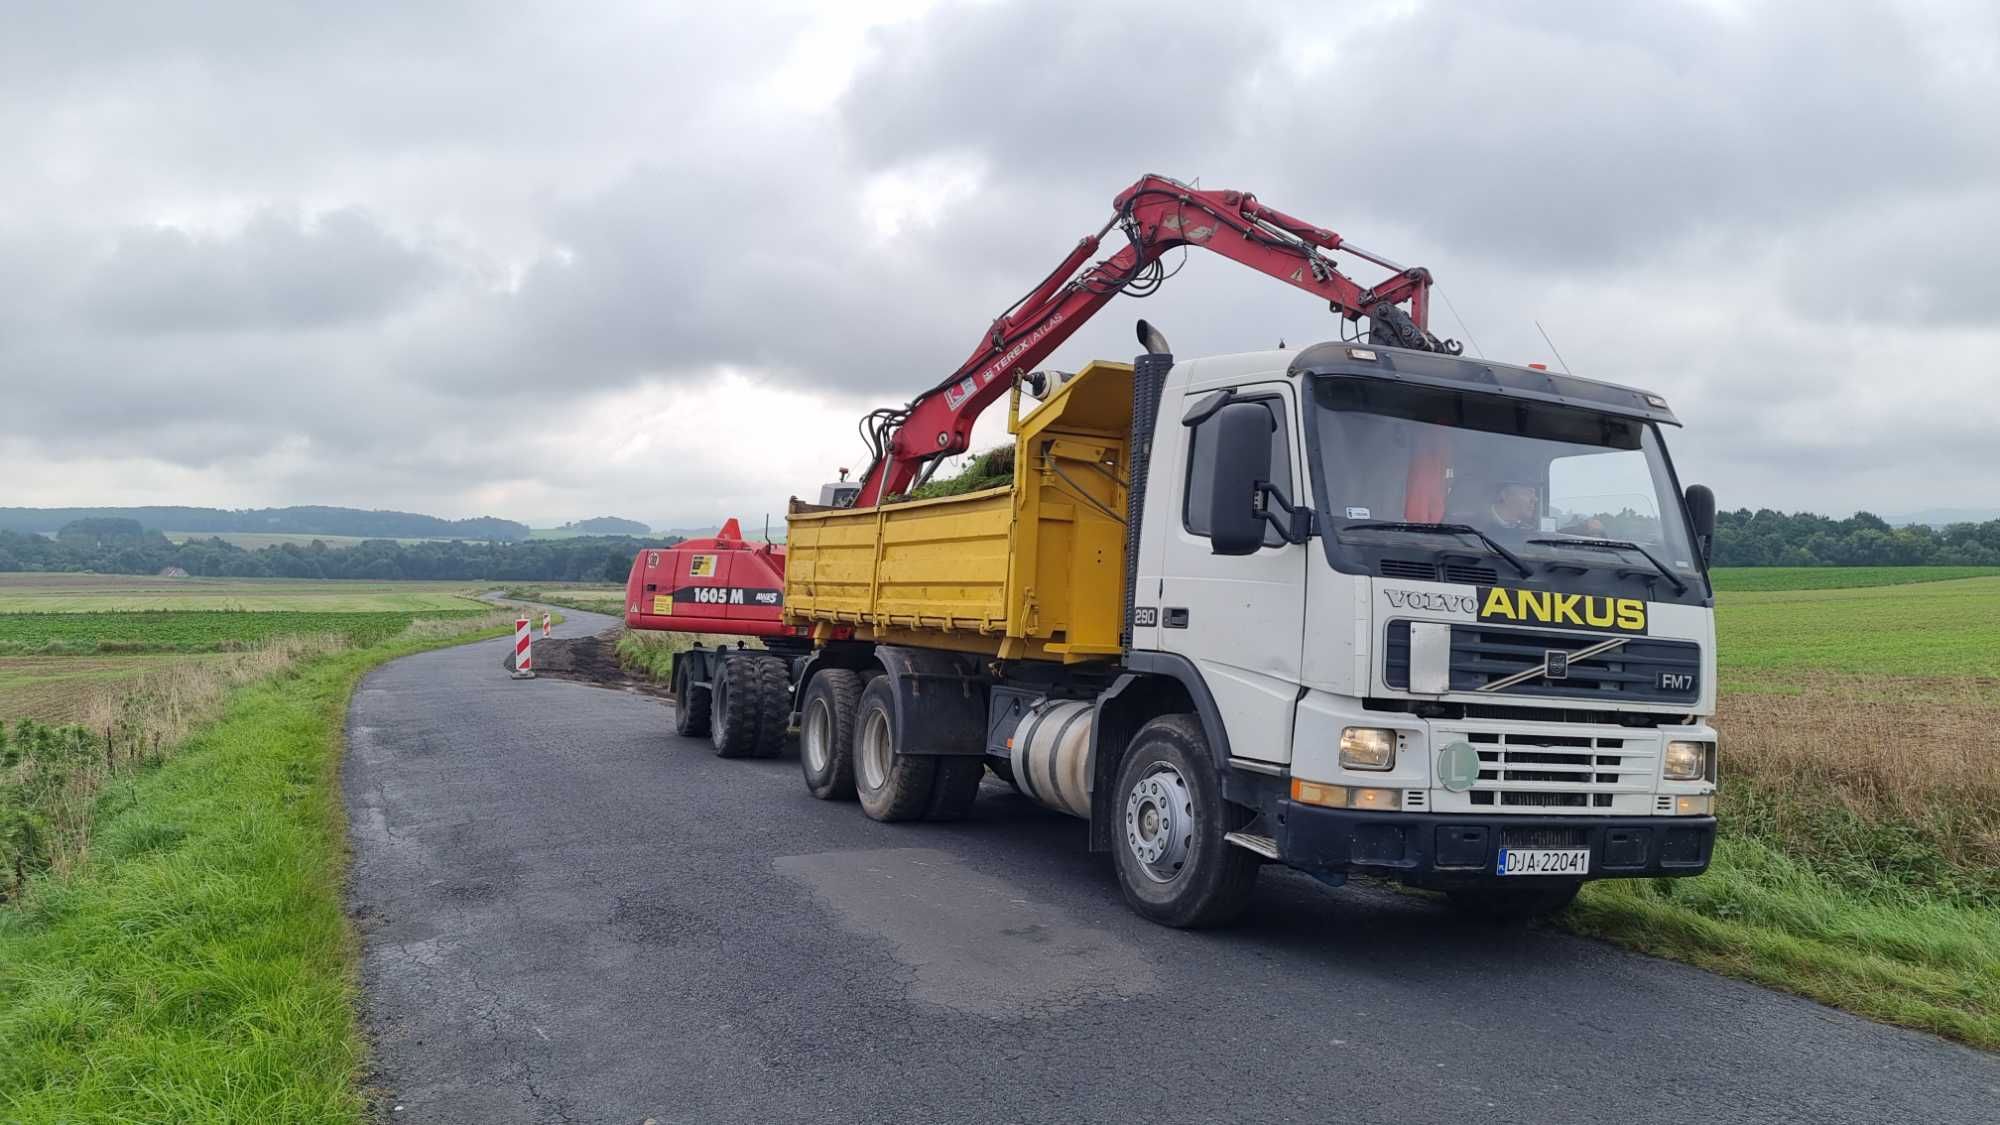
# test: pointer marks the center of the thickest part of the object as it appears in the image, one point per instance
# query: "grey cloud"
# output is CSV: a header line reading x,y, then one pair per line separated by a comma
x,y
275,274
1553,135
461,218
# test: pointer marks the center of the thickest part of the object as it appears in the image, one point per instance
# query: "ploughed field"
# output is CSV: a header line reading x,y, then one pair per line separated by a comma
x,y
1859,800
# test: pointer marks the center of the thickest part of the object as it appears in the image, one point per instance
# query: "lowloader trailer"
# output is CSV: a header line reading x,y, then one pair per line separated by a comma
x,y
1365,607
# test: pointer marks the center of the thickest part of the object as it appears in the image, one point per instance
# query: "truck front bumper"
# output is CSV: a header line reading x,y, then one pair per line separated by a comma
x,y
1450,850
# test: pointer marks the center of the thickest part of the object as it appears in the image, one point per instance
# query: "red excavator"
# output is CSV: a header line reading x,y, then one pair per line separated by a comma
x,y
730,586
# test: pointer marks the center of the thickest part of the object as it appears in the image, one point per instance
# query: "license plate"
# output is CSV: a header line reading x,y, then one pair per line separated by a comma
x,y
1543,861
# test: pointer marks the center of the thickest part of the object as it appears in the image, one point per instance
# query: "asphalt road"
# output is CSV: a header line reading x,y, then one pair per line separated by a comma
x,y
569,914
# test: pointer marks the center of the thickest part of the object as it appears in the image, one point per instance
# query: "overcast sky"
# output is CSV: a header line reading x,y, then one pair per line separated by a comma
x,y
548,261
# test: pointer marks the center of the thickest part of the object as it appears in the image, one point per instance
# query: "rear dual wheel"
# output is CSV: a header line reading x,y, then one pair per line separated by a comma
x,y
749,705
894,784
826,734
691,712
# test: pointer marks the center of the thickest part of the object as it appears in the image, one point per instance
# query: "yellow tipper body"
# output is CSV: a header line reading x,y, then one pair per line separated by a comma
x,y
1032,570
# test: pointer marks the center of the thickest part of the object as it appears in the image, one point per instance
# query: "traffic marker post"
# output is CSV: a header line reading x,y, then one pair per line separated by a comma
x,y
524,649
546,622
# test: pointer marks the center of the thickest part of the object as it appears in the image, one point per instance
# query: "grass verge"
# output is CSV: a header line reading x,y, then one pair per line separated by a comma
x,y
198,966
651,653
1905,957
1859,862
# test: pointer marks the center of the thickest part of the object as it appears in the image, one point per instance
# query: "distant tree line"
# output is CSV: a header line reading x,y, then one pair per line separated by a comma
x,y
608,525
1768,538
311,520
116,545
112,545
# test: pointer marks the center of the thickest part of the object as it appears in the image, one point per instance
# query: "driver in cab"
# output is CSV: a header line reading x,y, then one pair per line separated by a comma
x,y
1517,506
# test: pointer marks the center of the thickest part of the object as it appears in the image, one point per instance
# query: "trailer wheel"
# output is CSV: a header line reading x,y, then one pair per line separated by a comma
x,y
1173,863
955,787
690,706
736,704
891,785
1506,905
774,718
826,734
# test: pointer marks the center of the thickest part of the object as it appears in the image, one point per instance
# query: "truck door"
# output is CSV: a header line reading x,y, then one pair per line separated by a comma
x,y
1238,618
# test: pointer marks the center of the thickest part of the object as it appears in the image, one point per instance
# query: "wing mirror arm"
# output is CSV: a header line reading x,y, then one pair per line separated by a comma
x,y
1293,522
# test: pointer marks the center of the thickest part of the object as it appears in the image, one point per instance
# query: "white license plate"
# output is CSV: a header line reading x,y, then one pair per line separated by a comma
x,y
1543,861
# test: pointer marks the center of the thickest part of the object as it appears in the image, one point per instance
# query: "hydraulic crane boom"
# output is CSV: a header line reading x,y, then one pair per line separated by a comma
x,y
1156,214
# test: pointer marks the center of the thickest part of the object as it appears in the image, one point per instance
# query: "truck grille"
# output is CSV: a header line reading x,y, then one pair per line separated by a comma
x,y
1467,574
1643,668
1603,772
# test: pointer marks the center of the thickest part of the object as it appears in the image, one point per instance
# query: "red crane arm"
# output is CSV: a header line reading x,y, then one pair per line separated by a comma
x,y
1157,214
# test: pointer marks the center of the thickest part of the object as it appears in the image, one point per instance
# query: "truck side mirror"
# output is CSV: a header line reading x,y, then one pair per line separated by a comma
x,y
1701,513
1242,468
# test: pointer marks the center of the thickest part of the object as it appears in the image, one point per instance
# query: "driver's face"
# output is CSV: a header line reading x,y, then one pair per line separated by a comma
x,y
1518,501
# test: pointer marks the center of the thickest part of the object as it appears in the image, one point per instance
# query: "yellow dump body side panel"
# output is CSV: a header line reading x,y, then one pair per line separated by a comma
x,y
1034,570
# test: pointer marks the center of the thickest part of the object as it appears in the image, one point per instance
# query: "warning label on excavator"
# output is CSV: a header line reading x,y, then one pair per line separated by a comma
x,y
701,566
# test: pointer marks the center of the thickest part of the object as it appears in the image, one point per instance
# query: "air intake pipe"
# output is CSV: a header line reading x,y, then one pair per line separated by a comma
x,y
1149,374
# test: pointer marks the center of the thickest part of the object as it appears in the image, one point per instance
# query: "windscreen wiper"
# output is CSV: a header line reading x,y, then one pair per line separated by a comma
x,y
1680,587
1452,528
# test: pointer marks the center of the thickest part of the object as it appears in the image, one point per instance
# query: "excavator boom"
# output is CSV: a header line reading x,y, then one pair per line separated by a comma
x,y
1156,214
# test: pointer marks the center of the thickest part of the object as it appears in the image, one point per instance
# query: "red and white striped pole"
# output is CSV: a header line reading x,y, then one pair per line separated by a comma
x,y
546,622
524,649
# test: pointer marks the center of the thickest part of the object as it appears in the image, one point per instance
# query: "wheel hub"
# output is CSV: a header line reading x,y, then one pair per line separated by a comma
x,y
817,735
874,749
1159,823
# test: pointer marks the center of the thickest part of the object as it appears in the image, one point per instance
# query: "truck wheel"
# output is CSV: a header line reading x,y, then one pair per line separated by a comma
x,y
955,787
690,706
891,785
826,734
1173,864
1512,904
774,719
736,705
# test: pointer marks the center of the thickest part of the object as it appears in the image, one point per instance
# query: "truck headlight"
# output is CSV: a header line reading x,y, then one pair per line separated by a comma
x,y
1367,748
1687,761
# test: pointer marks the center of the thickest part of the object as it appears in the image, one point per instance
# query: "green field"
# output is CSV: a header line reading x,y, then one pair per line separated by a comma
x,y
198,630
253,540
1750,578
84,593
1859,803
1941,628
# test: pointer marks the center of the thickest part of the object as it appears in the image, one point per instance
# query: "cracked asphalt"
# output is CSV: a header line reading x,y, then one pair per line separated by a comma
x,y
570,915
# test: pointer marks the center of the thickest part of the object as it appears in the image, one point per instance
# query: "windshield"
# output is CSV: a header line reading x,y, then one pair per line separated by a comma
x,y
1539,478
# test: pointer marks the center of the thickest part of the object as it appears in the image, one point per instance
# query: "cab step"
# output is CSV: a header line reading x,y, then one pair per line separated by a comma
x,y
1262,845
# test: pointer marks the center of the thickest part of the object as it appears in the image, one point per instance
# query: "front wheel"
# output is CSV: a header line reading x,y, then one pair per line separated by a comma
x,y
1173,863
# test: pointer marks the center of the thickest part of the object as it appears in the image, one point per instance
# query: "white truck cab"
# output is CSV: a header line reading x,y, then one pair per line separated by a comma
x,y
1458,609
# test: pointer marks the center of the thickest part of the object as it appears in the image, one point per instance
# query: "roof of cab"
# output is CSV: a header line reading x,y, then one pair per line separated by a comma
x,y
1435,369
